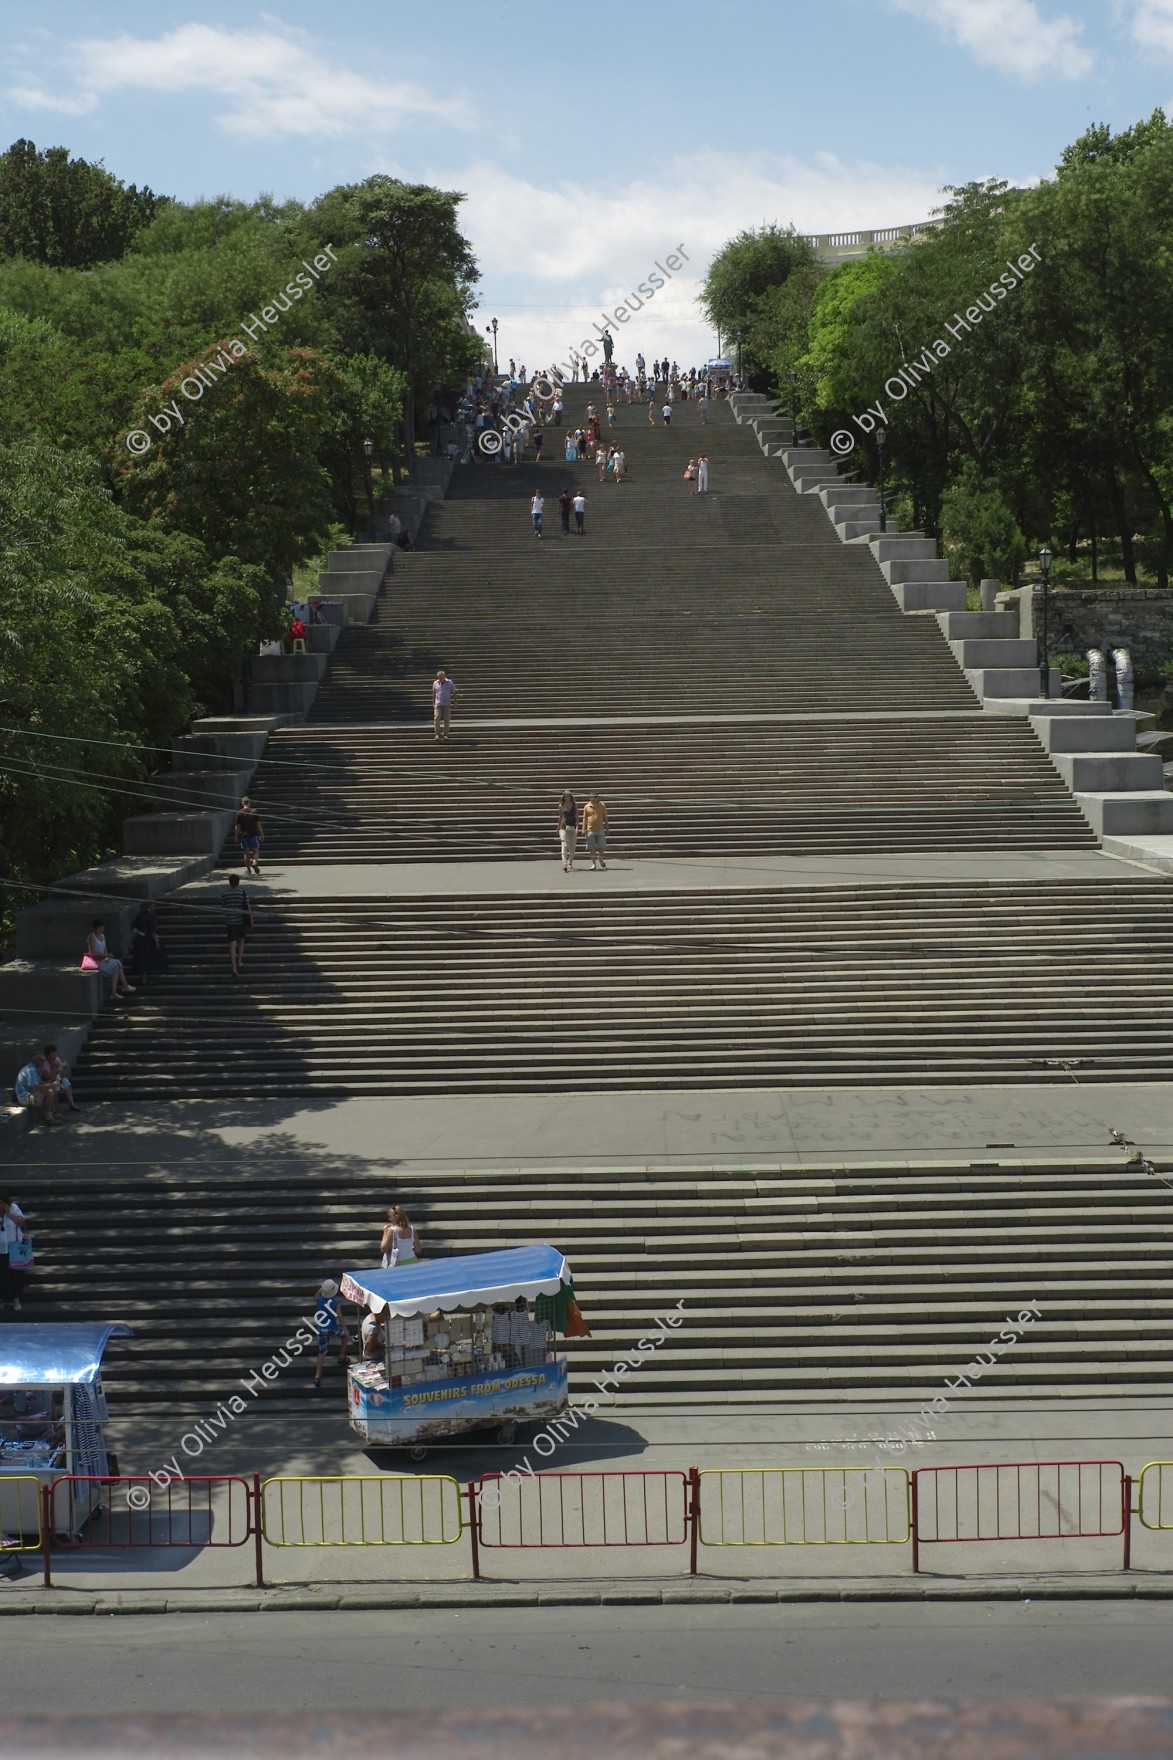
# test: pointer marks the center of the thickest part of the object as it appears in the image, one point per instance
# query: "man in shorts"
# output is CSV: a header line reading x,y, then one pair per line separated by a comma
x,y
251,833
443,692
328,1325
238,915
594,824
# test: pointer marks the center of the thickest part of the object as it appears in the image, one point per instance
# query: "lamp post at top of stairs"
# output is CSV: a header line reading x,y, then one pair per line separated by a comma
x,y
1044,660
881,436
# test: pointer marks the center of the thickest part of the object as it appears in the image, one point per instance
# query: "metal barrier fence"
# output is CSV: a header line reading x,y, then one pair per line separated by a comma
x,y
1155,1497
804,1506
716,1508
415,1509
21,1514
584,1510
132,1512
1020,1500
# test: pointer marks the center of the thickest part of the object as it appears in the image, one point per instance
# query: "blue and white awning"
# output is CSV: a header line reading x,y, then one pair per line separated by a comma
x,y
468,1280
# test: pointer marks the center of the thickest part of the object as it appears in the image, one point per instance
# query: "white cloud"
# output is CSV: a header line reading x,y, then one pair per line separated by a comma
x,y
553,258
1009,35
35,97
1152,25
271,84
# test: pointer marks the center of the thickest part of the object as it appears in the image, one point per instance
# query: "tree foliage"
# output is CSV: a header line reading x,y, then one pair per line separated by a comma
x,y
66,212
1053,408
135,580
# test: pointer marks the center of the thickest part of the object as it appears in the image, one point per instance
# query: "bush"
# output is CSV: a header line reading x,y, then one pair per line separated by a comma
x,y
979,533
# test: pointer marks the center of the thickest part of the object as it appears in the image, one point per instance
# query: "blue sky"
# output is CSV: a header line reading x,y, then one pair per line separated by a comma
x,y
590,142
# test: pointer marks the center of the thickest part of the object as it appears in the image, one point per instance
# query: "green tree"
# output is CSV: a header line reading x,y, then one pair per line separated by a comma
x,y
740,281
66,212
979,532
237,466
405,277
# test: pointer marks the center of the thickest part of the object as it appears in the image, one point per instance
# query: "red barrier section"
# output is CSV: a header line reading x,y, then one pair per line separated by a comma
x,y
1020,1500
583,1509
132,1512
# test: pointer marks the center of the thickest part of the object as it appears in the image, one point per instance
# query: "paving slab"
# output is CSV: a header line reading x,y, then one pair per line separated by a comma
x,y
695,874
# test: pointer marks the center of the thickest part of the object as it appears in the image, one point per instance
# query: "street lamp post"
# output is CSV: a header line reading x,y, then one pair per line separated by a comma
x,y
491,330
368,447
1045,560
793,377
881,436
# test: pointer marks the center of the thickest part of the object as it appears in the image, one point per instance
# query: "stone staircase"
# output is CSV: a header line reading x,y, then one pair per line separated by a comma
x,y
827,986
849,1283
1120,791
745,787
736,679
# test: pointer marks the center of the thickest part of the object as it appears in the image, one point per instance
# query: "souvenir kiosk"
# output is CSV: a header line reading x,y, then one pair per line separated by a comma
x,y
52,1420
468,1344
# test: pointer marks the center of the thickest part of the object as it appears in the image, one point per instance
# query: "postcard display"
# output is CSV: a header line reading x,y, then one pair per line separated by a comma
x,y
458,1371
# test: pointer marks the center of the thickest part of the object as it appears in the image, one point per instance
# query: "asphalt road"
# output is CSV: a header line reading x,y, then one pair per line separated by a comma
x,y
501,1657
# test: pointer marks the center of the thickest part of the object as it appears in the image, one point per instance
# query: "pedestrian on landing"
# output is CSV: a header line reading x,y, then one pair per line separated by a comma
x,y
327,1325
567,828
702,474
443,694
399,1243
594,824
620,464
251,834
579,511
666,412
238,917
536,507
690,475
565,503
557,412
538,445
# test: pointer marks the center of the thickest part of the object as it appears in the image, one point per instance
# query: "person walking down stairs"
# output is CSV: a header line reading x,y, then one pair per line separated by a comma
x,y
238,917
536,508
565,502
702,474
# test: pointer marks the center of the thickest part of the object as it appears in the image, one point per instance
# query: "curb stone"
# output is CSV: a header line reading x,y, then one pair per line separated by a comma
x,y
336,1598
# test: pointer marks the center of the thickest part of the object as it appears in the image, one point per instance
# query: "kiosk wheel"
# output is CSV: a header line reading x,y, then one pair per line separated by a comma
x,y
417,1452
509,1432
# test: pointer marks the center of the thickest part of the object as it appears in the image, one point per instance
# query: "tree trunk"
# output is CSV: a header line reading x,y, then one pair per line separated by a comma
x,y
1120,514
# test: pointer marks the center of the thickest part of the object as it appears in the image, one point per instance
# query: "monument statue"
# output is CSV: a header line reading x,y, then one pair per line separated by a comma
x,y
608,346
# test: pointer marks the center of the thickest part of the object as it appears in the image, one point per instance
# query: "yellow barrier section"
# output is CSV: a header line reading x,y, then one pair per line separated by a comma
x,y
417,1509
804,1506
1156,1495
20,1512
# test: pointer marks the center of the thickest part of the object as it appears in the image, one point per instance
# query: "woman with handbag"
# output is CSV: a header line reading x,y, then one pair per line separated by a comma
x,y
98,958
399,1244
17,1247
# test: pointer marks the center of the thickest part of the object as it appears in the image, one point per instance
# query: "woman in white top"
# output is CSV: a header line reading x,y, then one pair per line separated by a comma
x,y
99,952
400,1244
13,1227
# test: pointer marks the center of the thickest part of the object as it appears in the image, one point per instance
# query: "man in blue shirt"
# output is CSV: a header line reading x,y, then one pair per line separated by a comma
x,y
29,1090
